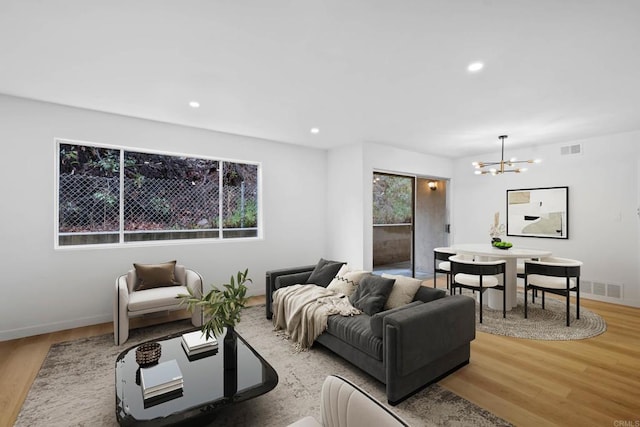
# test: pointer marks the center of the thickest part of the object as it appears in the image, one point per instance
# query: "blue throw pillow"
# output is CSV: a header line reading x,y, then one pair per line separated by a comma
x,y
371,294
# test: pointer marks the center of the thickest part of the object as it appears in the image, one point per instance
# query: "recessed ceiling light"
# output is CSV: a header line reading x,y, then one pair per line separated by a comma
x,y
474,67
314,130
194,104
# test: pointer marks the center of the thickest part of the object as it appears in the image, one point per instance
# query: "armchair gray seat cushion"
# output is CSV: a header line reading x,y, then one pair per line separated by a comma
x,y
129,302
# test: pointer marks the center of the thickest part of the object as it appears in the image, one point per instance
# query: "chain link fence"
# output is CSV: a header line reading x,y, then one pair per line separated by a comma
x,y
92,204
89,203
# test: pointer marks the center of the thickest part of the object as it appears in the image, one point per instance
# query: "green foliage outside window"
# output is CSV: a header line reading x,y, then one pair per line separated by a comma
x,y
163,196
392,199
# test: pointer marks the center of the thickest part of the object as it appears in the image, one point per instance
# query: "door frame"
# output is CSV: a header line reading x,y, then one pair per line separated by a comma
x,y
414,180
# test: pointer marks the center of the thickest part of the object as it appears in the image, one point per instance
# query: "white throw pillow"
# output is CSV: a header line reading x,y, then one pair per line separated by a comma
x,y
346,281
403,292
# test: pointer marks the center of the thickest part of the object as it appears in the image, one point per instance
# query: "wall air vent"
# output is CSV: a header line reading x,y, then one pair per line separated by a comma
x,y
599,289
571,149
614,290
611,290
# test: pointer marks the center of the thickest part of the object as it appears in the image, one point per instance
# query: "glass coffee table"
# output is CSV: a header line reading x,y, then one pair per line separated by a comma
x,y
209,383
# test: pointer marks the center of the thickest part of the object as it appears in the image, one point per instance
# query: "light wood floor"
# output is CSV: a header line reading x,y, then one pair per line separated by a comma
x,y
594,382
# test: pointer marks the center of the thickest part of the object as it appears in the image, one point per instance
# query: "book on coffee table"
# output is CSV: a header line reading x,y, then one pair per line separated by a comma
x,y
195,343
161,378
196,340
162,398
204,351
161,391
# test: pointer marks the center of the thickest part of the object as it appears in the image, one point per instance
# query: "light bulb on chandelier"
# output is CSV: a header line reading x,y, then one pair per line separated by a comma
x,y
497,168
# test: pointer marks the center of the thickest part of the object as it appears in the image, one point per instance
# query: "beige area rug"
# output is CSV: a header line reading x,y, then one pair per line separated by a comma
x,y
548,324
75,386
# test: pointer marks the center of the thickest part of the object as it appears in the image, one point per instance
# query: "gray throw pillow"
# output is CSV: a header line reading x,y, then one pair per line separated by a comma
x,y
324,272
376,319
371,294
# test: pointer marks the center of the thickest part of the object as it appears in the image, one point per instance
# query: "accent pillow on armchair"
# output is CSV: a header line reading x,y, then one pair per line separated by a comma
x,y
155,275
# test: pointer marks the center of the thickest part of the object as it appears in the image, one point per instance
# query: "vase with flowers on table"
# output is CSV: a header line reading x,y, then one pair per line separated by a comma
x,y
495,231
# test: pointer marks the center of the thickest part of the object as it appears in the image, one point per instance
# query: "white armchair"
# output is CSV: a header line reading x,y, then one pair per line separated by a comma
x,y
129,302
344,404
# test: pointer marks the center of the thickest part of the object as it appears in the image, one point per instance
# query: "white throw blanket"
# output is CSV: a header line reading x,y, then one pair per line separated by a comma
x,y
302,311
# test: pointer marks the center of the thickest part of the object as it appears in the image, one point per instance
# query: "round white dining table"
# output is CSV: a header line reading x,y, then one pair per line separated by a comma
x,y
486,252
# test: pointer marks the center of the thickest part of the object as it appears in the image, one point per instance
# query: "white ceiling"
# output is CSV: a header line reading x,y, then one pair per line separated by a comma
x,y
383,71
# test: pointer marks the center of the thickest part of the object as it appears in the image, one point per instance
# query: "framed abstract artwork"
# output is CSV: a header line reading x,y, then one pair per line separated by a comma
x,y
538,212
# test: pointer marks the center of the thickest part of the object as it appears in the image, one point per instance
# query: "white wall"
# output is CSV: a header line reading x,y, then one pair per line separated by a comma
x,y
45,289
316,203
603,203
350,204
345,207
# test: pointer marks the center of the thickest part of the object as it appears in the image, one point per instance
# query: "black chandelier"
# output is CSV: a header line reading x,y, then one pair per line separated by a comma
x,y
503,166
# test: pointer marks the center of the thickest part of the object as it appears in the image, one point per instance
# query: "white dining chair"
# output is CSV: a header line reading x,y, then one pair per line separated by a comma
x,y
478,276
441,263
559,276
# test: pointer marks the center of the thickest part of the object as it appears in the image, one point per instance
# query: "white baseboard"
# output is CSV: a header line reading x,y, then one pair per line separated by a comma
x,y
626,301
53,327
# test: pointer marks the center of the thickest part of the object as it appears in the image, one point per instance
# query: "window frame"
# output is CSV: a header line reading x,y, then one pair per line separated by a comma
x,y
121,229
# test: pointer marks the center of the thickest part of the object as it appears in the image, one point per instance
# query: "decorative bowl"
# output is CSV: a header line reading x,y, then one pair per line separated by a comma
x,y
506,245
148,353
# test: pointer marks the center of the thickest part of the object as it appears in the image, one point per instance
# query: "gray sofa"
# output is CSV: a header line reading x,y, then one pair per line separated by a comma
x,y
406,348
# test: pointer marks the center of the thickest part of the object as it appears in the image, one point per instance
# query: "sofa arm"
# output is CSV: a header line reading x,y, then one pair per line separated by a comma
x,y
270,282
426,332
291,279
377,319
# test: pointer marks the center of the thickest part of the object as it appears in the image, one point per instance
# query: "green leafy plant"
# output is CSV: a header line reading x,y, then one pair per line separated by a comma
x,y
248,218
221,308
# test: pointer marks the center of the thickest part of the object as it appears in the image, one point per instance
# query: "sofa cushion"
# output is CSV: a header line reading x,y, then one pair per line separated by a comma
x,y
427,294
347,281
371,294
376,319
356,332
155,275
324,272
404,289
155,298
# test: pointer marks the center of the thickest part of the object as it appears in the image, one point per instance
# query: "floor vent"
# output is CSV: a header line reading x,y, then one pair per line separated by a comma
x,y
571,149
611,290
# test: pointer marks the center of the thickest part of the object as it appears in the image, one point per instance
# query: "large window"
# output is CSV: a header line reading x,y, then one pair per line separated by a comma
x,y
109,195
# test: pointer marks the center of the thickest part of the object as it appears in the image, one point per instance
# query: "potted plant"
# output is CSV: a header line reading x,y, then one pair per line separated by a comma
x,y
221,308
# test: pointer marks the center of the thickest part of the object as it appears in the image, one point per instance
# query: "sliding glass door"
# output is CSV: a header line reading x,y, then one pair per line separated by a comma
x,y
410,219
393,214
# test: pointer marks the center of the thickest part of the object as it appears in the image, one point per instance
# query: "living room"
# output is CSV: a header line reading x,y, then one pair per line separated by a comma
x,y
315,202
